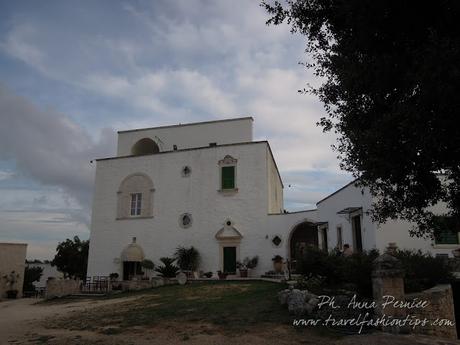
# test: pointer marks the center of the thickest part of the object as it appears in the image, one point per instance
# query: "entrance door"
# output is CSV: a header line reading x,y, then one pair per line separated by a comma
x,y
357,236
130,269
230,260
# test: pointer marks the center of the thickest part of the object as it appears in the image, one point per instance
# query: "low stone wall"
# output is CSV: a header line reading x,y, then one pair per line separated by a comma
x,y
62,287
440,307
388,280
136,285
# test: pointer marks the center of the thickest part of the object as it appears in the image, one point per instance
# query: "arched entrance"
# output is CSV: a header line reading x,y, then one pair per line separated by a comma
x,y
132,257
303,235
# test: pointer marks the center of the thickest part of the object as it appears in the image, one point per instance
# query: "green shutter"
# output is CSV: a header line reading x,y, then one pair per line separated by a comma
x,y
448,233
228,177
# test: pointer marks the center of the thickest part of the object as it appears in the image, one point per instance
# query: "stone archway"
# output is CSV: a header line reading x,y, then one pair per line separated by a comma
x,y
302,236
132,257
145,146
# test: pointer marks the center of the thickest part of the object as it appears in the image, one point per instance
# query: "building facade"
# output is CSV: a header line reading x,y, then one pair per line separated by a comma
x,y
12,266
211,186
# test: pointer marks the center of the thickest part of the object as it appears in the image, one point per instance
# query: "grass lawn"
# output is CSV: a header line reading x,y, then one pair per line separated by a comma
x,y
236,306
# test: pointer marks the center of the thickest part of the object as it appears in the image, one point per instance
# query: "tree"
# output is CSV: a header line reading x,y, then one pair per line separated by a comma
x,y
31,275
391,82
72,258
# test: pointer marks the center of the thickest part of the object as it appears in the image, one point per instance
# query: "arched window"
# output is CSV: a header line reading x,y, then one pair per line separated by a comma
x,y
135,197
145,146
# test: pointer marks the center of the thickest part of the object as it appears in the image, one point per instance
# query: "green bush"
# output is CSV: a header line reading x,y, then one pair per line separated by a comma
x,y
422,270
168,269
188,259
338,271
31,275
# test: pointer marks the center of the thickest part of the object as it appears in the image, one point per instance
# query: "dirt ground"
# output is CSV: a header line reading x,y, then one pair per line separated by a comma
x,y
24,321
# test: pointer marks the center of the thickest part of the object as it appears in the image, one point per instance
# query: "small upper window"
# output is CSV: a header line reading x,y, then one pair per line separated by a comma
x,y
136,204
228,177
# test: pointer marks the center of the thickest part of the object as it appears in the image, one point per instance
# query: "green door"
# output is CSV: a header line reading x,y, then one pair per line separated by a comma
x,y
230,260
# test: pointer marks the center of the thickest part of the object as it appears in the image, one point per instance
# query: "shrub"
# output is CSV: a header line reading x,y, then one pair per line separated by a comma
x,y
318,263
31,275
168,269
357,269
188,259
248,263
336,270
422,270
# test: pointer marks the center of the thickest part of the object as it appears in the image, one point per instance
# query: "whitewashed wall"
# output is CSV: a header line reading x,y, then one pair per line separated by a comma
x,y
397,231
174,195
374,235
349,196
190,135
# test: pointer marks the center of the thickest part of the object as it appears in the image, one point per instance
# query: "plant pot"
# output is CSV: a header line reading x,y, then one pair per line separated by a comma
x,y
222,276
12,294
278,266
243,273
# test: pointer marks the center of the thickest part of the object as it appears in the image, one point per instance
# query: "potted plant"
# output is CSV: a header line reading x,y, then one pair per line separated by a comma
x,y
188,260
114,281
278,263
207,274
246,265
222,275
168,269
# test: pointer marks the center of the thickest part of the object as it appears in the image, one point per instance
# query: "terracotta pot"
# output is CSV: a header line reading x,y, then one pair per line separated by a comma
x,y
243,273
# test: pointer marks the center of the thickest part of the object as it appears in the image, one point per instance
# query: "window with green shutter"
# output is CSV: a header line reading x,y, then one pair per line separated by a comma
x,y
448,233
228,177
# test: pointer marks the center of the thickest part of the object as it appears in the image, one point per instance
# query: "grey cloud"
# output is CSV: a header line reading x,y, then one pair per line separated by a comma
x,y
49,147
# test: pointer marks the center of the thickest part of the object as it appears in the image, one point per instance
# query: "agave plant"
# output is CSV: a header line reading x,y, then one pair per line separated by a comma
x,y
168,269
188,259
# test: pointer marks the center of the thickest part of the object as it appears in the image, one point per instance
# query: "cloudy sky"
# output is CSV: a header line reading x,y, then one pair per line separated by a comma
x,y
72,73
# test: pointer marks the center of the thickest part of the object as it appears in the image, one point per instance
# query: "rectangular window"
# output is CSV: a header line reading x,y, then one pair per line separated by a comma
x,y
339,238
228,177
136,204
448,233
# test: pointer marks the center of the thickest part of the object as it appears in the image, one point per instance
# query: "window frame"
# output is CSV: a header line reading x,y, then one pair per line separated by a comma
x,y
228,162
135,205
226,182
339,237
455,230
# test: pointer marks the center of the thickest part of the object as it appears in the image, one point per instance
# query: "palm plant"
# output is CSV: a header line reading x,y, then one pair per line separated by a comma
x,y
168,269
188,259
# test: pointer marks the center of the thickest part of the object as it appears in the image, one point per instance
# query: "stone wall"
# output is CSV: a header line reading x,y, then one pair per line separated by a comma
x,y
387,280
12,259
62,287
440,306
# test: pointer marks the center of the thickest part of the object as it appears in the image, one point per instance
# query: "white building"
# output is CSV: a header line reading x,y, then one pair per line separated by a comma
x,y
346,212
209,185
